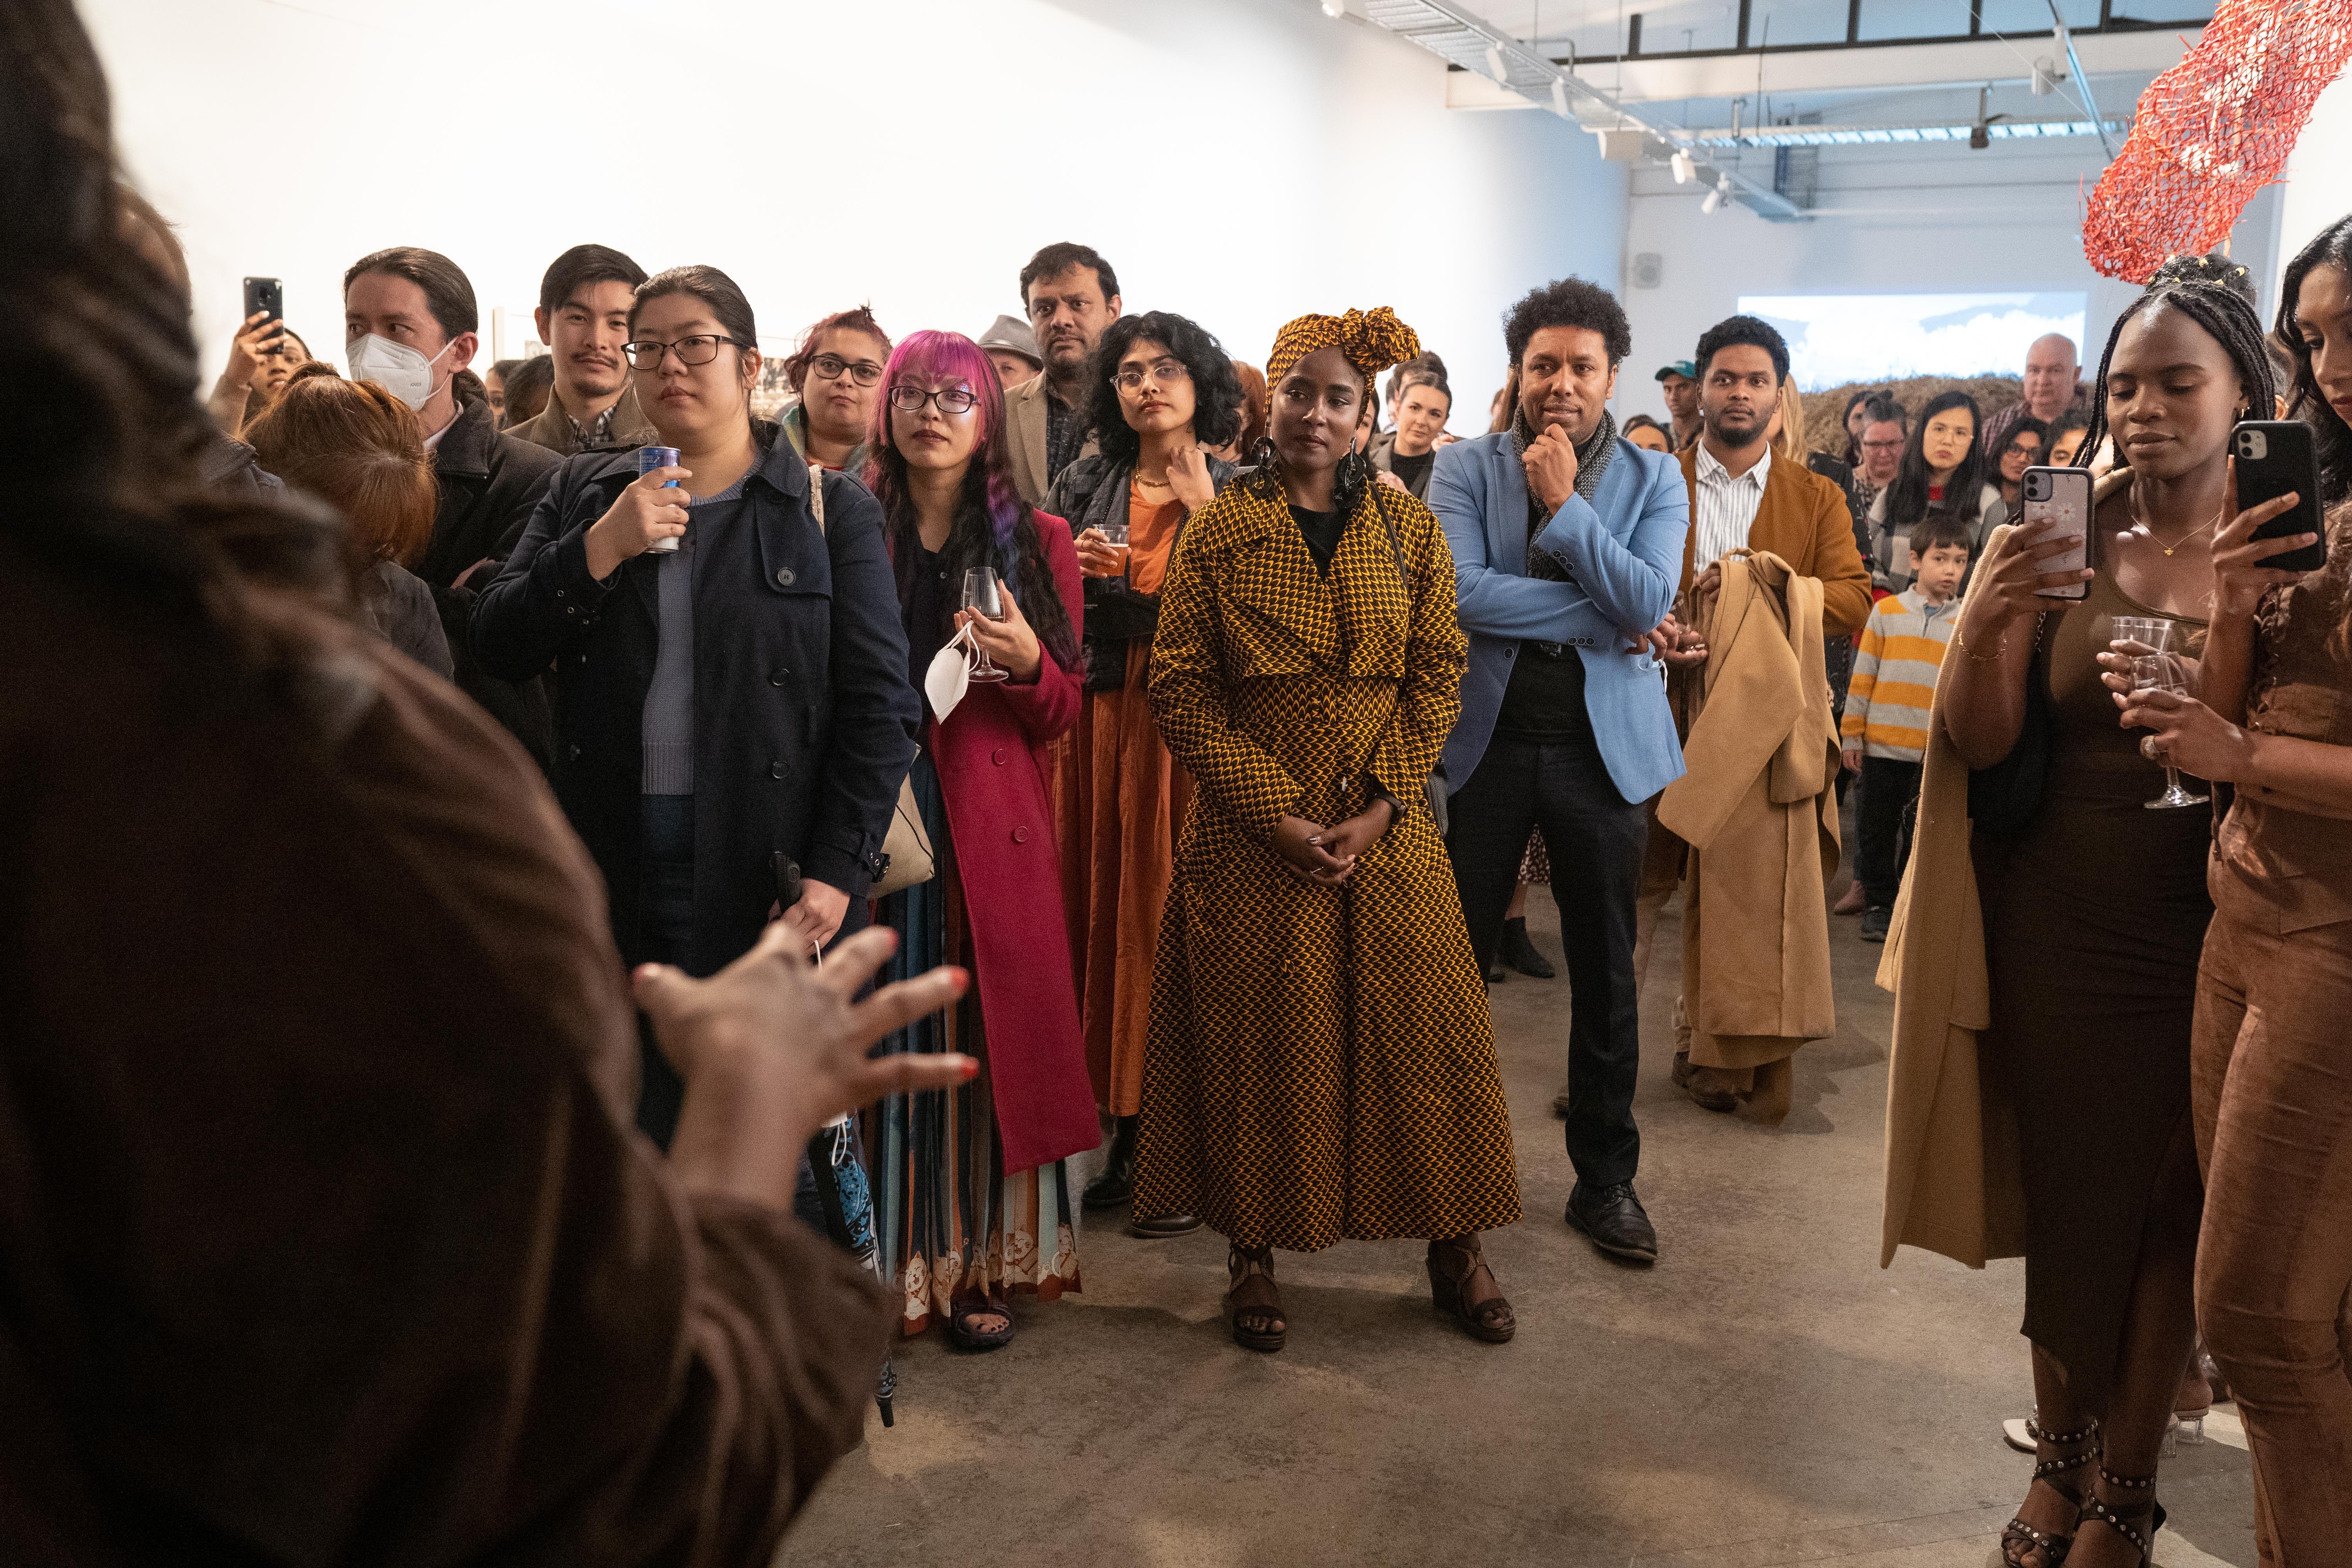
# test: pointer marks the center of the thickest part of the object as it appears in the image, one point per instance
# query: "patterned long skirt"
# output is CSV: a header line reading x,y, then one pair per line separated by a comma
x,y
957,1225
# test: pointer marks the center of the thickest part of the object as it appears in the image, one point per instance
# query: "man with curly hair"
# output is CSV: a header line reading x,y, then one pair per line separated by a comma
x,y
1566,542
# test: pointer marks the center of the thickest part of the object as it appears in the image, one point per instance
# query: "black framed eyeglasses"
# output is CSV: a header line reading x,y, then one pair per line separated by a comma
x,y
700,348
1166,372
828,367
908,398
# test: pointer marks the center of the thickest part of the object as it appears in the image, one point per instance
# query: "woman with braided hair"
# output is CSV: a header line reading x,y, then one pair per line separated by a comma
x,y
1320,1063
2093,913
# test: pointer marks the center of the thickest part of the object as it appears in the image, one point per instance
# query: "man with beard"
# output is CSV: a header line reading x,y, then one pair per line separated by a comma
x,y
1678,383
1566,542
583,319
1740,498
1070,295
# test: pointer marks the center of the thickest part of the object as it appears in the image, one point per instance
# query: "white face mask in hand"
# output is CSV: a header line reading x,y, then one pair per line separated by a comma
x,y
397,368
949,675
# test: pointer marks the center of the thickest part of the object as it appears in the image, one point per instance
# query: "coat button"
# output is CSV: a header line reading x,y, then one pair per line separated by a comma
x,y
1020,836
784,576
575,754
777,770
997,757
777,678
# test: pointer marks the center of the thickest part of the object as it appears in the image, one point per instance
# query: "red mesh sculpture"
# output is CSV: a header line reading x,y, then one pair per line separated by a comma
x,y
2215,129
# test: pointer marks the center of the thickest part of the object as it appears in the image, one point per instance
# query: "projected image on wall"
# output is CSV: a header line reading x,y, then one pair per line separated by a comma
x,y
1836,339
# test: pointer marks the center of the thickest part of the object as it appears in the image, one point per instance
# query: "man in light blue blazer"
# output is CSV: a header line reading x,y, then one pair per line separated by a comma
x,y
1567,543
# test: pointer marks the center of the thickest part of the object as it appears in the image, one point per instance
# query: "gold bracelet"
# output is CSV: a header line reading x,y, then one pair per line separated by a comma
x,y
1962,644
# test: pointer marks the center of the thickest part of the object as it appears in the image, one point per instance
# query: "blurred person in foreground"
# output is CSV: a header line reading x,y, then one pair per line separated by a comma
x,y
353,445
302,958
527,387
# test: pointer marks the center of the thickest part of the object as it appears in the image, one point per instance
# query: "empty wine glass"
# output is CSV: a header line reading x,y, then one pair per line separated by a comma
x,y
2161,672
984,594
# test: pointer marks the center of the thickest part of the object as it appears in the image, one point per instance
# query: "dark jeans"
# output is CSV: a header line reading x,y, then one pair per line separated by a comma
x,y
668,872
1884,844
1596,840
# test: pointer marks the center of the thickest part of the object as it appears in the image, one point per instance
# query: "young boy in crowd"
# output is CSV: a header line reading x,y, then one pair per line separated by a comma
x,y
1886,727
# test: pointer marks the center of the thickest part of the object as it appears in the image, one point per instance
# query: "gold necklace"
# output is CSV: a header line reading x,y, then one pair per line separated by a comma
x,y
2150,530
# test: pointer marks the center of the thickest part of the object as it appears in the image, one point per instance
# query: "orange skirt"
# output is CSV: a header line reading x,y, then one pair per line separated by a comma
x,y
1119,801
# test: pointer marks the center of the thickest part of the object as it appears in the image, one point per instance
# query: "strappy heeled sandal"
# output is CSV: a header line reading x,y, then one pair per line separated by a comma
x,y
1452,1267
1253,1303
2136,1523
964,1334
2019,1538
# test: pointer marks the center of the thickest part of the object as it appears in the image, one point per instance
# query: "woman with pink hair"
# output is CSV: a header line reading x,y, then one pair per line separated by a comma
x,y
974,1198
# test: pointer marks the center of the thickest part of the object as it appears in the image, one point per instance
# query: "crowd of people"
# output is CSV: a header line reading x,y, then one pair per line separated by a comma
x,y
472,830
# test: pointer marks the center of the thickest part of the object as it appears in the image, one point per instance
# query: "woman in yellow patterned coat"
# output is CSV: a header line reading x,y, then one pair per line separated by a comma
x,y
1320,1063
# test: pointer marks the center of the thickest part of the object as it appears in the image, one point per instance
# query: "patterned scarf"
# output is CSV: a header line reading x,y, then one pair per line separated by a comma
x,y
1372,339
1593,459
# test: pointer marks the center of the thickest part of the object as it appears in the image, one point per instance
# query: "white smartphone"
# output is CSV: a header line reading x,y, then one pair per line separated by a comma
x,y
2062,497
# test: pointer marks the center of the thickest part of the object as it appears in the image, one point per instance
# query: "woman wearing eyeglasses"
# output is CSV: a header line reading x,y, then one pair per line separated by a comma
x,y
733,717
837,378
1164,389
2021,448
974,1200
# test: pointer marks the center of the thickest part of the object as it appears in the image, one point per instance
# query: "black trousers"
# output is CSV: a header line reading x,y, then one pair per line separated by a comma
x,y
1596,840
1887,786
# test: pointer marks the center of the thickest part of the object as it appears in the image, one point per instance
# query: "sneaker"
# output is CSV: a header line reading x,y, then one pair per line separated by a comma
x,y
1875,921
1615,1220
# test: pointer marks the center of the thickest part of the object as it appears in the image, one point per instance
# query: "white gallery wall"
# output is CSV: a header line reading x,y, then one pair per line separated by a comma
x,y
1238,161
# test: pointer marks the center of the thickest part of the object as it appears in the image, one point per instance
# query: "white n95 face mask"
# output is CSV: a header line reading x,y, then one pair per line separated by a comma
x,y
397,368
949,675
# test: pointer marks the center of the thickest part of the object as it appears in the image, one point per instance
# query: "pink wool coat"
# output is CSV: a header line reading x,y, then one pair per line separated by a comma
x,y
991,756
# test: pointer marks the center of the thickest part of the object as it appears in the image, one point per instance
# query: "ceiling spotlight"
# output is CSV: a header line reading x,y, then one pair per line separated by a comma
x,y
1714,199
1682,167
1560,96
1495,63
1335,9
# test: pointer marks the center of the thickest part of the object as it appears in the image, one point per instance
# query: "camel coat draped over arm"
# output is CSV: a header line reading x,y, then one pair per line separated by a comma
x,y
1759,808
1953,1178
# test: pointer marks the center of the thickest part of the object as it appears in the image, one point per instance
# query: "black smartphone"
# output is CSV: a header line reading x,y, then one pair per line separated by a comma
x,y
2062,497
2275,456
264,294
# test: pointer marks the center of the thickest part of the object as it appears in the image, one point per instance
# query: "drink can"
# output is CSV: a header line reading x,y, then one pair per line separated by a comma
x,y
648,460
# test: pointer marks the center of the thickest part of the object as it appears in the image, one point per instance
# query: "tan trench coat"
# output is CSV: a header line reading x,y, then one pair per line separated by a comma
x,y
1759,808
1953,1182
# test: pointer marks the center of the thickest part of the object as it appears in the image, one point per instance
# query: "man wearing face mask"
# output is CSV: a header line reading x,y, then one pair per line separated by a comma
x,y
409,325
1566,541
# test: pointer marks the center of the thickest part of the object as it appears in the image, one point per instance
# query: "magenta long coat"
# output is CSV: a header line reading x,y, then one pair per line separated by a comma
x,y
991,756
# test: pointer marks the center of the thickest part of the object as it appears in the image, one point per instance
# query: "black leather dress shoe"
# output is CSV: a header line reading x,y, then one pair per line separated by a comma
x,y
1160,1228
1613,1218
1518,950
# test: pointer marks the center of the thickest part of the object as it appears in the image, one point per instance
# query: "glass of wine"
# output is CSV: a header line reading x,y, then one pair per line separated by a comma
x,y
2161,672
985,596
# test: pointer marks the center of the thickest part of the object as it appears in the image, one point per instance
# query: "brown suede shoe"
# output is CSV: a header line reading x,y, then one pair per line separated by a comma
x,y
1704,1085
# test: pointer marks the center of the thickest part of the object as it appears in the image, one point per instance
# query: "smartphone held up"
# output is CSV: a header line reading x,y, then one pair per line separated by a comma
x,y
2274,457
2062,497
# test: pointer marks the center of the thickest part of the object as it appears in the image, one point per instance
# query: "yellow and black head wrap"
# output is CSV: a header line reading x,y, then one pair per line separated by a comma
x,y
1373,341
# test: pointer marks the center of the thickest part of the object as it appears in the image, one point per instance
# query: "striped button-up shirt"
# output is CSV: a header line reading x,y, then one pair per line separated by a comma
x,y
1723,508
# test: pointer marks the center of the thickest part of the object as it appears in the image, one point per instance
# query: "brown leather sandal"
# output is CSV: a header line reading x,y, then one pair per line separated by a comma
x,y
1252,1305
1453,1265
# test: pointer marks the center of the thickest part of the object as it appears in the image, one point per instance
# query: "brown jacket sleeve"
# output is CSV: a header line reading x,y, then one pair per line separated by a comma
x,y
328,1238
1837,559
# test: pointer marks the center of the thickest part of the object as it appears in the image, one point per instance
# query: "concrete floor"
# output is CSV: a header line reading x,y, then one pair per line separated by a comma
x,y
1765,1395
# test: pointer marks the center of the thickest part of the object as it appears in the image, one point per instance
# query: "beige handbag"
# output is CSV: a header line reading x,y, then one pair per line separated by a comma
x,y
907,849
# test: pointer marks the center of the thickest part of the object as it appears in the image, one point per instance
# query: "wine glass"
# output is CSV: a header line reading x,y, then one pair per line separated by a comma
x,y
1115,535
984,594
2161,672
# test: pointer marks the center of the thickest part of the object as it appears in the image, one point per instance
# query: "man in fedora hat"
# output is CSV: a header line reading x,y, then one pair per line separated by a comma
x,y
1011,348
